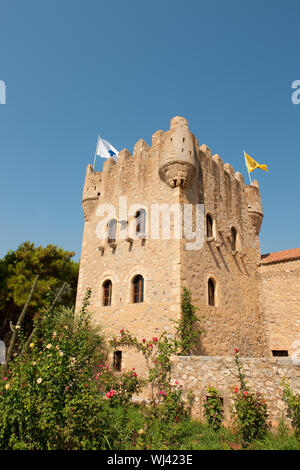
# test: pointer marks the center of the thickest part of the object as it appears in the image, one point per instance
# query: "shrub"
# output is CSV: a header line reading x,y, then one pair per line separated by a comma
x,y
118,387
250,409
213,408
293,402
49,390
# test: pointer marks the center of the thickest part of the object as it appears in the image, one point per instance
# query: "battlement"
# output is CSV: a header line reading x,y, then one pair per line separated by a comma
x,y
174,160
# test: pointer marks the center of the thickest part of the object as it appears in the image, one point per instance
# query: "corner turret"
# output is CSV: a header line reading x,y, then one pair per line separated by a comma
x,y
178,154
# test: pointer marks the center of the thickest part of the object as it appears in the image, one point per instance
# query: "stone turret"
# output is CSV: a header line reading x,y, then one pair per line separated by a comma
x,y
253,201
178,154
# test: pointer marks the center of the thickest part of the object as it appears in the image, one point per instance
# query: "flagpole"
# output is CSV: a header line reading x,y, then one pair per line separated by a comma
x,y
247,167
96,152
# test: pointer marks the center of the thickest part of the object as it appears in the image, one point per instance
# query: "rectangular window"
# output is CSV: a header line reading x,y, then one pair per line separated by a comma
x,y
280,353
117,360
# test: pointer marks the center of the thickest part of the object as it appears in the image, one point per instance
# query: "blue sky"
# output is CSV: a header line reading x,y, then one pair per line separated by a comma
x,y
75,69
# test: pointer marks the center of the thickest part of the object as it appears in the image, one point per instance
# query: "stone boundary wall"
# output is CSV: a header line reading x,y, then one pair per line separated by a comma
x,y
263,375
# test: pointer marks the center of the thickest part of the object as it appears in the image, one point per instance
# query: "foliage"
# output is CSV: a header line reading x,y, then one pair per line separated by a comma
x,y
17,271
118,387
49,397
293,402
280,439
213,408
156,352
187,328
250,409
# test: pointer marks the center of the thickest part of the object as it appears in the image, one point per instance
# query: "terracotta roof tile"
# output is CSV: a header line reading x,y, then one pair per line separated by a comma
x,y
280,256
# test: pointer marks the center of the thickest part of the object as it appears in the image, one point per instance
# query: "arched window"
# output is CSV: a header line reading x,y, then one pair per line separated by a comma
x,y
107,291
138,289
209,226
211,292
111,230
234,239
140,215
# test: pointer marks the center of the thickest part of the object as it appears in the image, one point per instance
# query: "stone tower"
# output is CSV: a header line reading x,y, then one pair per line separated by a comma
x,y
138,269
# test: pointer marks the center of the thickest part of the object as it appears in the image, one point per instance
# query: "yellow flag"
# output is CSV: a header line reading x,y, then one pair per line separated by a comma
x,y
252,164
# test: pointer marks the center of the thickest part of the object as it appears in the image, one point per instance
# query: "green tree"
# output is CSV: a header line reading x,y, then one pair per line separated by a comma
x,y
17,272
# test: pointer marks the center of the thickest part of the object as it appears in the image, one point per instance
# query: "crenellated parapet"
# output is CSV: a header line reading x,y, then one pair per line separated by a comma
x,y
174,160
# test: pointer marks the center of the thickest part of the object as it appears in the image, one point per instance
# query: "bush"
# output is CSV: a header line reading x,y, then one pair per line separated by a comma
x,y
49,390
250,409
213,408
293,402
118,387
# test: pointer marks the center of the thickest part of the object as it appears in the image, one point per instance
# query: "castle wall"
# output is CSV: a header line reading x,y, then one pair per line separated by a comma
x,y
175,170
235,320
157,260
263,375
280,305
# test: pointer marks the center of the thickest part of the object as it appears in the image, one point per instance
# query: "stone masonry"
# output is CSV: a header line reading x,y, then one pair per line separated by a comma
x,y
256,300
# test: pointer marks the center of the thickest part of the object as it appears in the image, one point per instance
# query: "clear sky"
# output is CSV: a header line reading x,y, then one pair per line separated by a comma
x,y
122,68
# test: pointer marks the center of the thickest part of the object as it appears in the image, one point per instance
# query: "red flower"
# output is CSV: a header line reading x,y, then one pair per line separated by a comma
x,y
122,331
150,345
144,341
236,351
236,390
154,339
111,393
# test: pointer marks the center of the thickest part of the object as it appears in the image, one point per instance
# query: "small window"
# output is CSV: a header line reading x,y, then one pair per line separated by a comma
x,y
112,230
234,238
211,292
280,353
138,289
209,226
107,290
141,221
117,365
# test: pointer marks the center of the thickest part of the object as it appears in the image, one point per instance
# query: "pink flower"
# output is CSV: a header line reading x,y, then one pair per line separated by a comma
x,y
4,378
176,382
111,393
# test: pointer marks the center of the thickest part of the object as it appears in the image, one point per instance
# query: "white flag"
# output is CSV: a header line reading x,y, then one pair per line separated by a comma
x,y
105,149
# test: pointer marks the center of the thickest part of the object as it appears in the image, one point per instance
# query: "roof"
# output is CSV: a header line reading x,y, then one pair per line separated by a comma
x,y
281,256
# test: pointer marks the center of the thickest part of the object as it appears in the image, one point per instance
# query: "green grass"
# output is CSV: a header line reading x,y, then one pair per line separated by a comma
x,y
190,435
